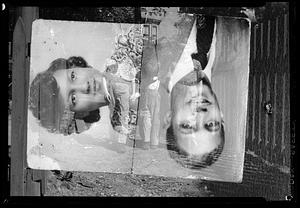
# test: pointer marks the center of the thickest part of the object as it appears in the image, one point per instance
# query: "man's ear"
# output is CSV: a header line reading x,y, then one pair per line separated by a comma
x,y
222,118
167,120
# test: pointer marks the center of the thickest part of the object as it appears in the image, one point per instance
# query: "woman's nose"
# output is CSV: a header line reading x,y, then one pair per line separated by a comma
x,y
83,87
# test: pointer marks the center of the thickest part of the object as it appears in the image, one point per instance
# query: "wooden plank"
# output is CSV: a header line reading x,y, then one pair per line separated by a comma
x,y
279,107
18,134
258,46
268,38
250,115
265,126
280,55
276,36
279,93
285,34
255,43
256,92
34,177
259,112
22,179
262,40
9,49
287,142
287,136
273,46
254,116
274,96
284,131
264,68
283,112
267,72
272,88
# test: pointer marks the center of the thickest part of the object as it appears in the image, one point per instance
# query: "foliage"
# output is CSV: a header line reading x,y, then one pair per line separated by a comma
x,y
157,11
101,14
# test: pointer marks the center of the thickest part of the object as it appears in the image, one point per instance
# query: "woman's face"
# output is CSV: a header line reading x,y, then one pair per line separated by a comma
x,y
82,89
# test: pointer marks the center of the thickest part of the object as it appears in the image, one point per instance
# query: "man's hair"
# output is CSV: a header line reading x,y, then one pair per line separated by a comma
x,y
44,99
190,161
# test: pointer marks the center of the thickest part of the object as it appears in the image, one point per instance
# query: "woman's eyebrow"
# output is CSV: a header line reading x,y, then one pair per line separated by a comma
x,y
69,100
69,74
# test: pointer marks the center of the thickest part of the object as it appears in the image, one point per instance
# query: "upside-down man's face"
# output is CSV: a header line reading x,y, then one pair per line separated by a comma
x,y
196,118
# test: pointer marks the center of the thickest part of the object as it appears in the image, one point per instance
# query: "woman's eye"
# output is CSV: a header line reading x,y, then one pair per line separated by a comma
x,y
73,76
73,99
205,101
213,126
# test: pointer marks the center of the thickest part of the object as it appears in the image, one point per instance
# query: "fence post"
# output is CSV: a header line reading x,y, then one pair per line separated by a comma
x,y
24,181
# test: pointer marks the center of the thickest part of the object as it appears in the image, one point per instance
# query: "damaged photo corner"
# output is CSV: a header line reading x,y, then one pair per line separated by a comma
x,y
166,98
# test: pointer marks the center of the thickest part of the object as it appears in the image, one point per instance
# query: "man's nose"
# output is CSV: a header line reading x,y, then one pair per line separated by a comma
x,y
199,109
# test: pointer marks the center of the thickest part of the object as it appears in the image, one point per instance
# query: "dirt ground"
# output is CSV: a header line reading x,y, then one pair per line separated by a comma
x,y
122,185
259,180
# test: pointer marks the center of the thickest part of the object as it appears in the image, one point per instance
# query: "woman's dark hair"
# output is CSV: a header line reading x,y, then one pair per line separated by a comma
x,y
76,61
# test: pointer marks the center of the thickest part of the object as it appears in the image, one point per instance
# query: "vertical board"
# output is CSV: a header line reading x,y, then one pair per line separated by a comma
x,y
271,73
18,135
278,114
287,143
274,95
287,138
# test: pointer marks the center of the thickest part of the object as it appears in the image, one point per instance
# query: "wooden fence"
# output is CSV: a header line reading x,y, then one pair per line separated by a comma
x,y
268,126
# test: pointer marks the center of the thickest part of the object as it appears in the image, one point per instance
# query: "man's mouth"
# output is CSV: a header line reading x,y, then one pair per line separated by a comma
x,y
95,86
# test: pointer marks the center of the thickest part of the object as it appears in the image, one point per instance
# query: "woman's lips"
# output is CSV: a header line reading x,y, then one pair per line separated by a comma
x,y
94,85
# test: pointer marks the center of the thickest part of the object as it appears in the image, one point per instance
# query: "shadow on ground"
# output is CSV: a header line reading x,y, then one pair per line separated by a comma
x,y
259,180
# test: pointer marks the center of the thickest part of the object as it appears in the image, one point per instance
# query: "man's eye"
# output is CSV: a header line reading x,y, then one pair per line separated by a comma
x,y
186,126
73,77
73,99
205,101
213,125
